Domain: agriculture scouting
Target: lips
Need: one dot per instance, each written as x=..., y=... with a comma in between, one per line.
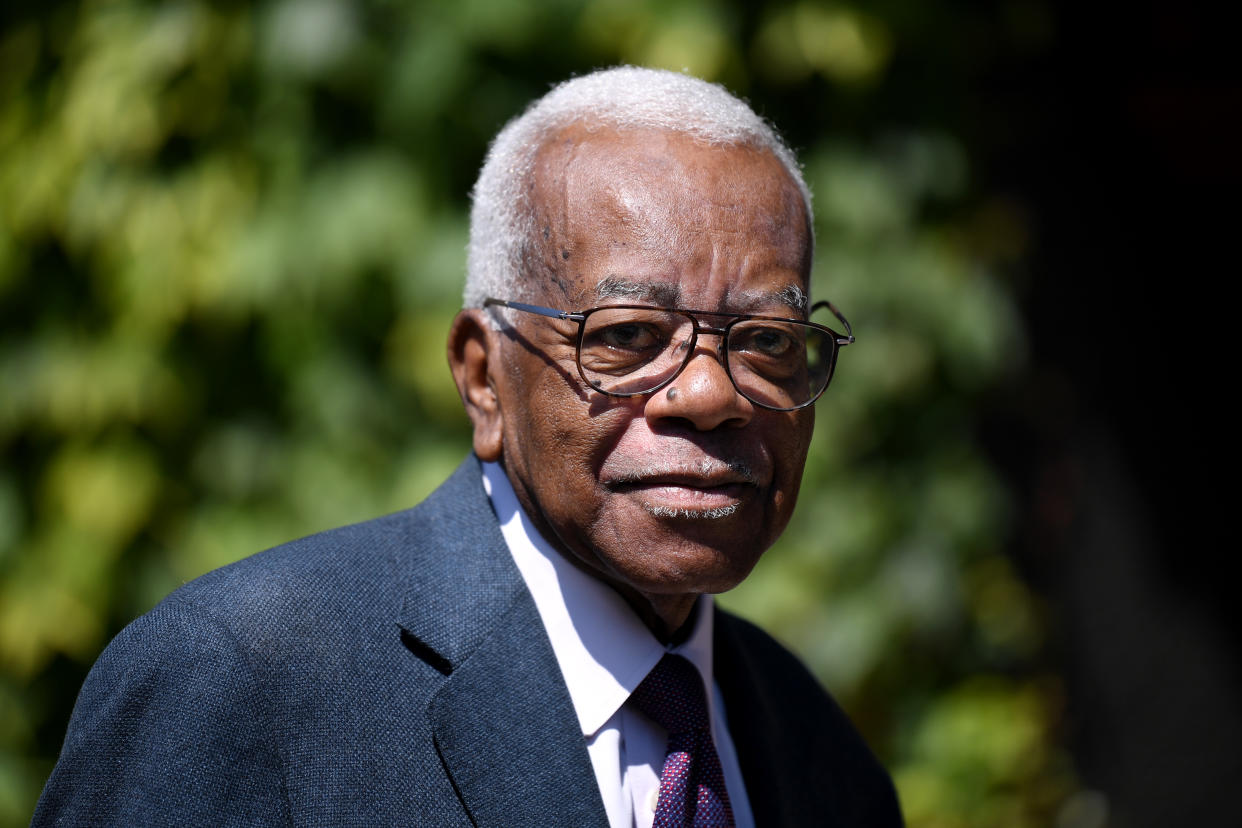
x=681, y=488
x=680, y=479
x=707, y=473
x=712, y=485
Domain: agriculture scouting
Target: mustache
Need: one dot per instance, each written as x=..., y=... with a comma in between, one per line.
x=736, y=470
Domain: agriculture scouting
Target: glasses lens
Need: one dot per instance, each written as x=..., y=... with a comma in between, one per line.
x=633, y=350
x=780, y=364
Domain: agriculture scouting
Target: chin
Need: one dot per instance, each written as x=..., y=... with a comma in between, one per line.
x=664, y=548
x=689, y=563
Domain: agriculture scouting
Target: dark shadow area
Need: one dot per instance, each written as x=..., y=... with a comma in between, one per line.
x=1127, y=152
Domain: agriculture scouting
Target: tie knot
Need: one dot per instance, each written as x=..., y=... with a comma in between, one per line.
x=672, y=696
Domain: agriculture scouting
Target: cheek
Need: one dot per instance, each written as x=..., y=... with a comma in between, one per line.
x=558, y=442
x=561, y=431
x=800, y=426
x=790, y=448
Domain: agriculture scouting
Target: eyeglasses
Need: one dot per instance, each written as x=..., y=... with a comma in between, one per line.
x=630, y=350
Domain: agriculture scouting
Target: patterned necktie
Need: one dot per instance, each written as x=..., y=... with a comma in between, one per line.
x=692, y=788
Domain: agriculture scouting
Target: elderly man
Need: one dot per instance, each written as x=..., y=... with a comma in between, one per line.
x=536, y=643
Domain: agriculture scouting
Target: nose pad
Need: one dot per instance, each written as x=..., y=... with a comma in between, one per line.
x=698, y=344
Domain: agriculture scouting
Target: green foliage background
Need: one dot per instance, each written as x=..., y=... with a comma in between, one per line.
x=231, y=242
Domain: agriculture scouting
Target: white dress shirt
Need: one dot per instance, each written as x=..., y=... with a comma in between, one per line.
x=604, y=651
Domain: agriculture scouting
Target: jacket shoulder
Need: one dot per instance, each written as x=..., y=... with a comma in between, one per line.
x=227, y=702
x=170, y=721
x=351, y=572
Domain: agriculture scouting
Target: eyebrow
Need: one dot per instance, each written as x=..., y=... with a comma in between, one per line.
x=669, y=295
x=793, y=296
x=614, y=287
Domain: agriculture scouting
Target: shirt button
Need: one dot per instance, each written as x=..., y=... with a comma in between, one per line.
x=653, y=799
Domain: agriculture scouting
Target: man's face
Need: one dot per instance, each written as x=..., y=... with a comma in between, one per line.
x=678, y=492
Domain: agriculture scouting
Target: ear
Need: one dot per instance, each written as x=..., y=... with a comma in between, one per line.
x=473, y=353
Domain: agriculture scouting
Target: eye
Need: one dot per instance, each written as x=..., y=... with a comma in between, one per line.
x=627, y=336
x=767, y=341
x=618, y=341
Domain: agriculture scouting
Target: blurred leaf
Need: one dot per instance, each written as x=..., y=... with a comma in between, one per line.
x=231, y=246
x=840, y=42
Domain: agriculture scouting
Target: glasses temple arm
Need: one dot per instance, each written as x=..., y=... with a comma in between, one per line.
x=539, y=309
x=848, y=339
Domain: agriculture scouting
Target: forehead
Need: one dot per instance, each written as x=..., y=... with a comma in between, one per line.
x=651, y=212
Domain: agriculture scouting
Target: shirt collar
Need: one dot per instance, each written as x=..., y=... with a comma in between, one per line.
x=603, y=649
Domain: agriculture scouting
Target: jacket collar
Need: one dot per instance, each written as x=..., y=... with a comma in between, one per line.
x=457, y=577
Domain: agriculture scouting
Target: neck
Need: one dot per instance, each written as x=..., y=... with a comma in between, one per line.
x=669, y=617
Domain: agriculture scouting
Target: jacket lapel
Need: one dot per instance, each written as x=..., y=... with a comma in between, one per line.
x=802, y=759
x=800, y=769
x=503, y=721
x=755, y=727
x=506, y=730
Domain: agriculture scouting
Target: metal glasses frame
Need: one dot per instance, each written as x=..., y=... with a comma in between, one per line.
x=838, y=340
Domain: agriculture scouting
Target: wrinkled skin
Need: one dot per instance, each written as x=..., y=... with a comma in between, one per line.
x=664, y=496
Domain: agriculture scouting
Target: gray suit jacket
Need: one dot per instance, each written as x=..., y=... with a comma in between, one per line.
x=396, y=672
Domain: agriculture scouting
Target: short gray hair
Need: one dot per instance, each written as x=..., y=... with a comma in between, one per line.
x=502, y=218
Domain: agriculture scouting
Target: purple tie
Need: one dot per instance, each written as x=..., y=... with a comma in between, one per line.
x=692, y=788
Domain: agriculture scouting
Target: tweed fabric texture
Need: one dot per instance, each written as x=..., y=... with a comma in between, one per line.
x=692, y=786
x=396, y=672
x=390, y=673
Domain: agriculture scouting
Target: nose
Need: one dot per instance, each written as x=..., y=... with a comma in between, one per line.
x=702, y=395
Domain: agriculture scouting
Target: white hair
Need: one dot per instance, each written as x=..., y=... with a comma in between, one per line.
x=502, y=219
